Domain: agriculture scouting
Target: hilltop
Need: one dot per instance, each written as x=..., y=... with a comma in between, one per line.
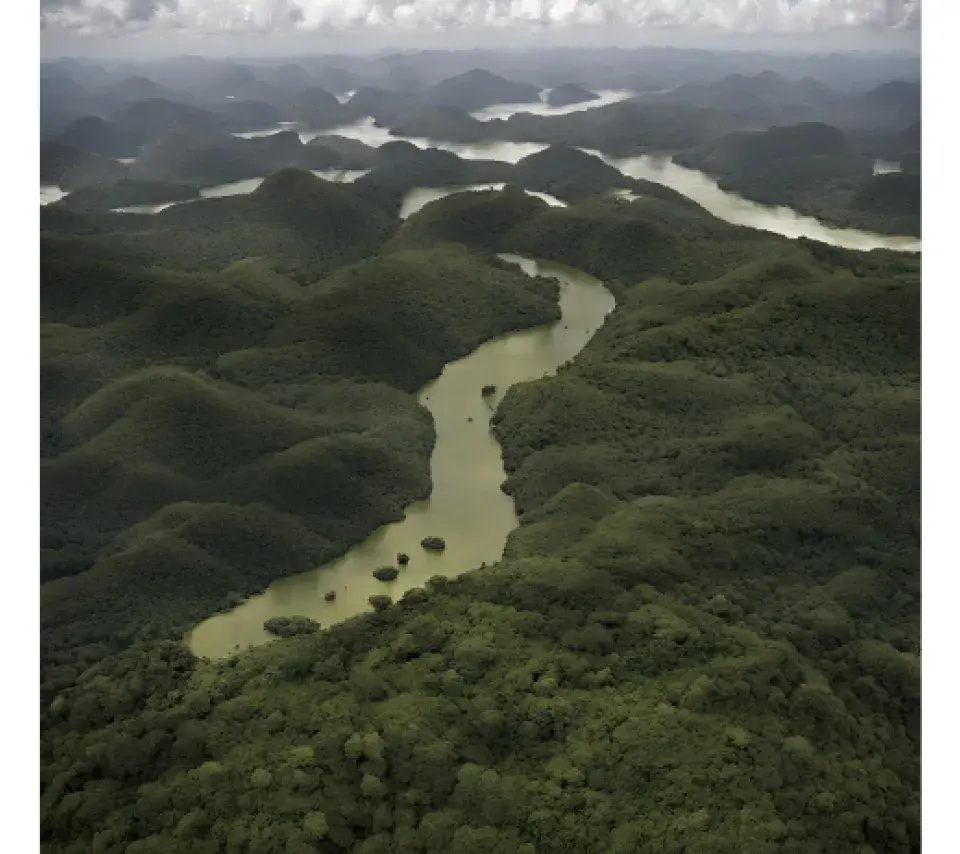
x=716, y=574
x=624, y=128
x=216, y=390
x=811, y=167
x=477, y=88
x=70, y=167
x=659, y=234
x=99, y=136
x=104, y=197
x=297, y=220
x=569, y=93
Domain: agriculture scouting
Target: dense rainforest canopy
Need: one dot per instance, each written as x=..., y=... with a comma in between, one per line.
x=704, y=636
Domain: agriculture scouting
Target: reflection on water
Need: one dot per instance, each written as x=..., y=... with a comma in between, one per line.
x=542, y=108
x=367, y=132
x=735, y=209
x=148, y=209
x=466, y=506
x=50, y=193
x=885, y=167
x=240, y=188
x=691, y=183
x=421, y=196
x=270, y=131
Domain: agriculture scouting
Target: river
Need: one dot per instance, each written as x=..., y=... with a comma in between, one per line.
x=693, y=184
x=504, y=111
x=466, y=469
x=239, y=188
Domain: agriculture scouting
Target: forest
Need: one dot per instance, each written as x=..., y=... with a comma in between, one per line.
x=703, y=637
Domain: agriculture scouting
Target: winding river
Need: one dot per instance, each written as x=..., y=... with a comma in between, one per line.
x=466, y=464
x=466, y=506
x=695, y=185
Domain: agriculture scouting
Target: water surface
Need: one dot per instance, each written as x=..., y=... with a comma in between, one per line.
x=885, y=167
x=735, y=209
x=421, y=196
x=50, y=193
x=240, y=188
x=367, y=132
x=466, y=506
x=691, y=183
x=542, y=108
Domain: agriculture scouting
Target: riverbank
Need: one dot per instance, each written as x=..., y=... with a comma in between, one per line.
x=466, y=505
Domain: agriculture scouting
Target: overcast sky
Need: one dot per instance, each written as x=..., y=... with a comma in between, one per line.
x=224, y=27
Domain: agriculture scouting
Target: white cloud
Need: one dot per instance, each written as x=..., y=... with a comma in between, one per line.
x=201, y=16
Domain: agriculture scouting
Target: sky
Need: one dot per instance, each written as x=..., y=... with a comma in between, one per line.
x=134, y=27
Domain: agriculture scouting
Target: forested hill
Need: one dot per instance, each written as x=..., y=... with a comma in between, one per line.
x=703, y=637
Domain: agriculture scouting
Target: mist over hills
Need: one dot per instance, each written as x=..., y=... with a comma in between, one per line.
x=710, y=124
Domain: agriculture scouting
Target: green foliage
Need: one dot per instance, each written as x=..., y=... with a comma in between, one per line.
x=660, y=234
x=704, y=636
x=104, y=197
x=812, y=168
x=205, y=433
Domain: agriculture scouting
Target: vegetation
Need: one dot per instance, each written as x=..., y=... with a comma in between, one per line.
x=703, y=637
x=305, y=225
x=622, y=129
x=69, y=167
x=288, y=627
x=205, y=433
x=386, y=573
x=660, y=233
x=569, y=93
x=105, y=197
x=478, y=88
x=812, y=168
x=99, y=136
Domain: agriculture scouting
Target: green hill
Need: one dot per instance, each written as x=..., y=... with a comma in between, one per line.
x=294, y=218
x=238, y=387
x=99, y=136
x=891, y=193
x=561, y=171
x=814, y=169
x=69, y=167
x=784, y=165
x=150, y=119
x=451, y=302
x=658, y=234
x=622, y=129
x=717, y=577
x=477, y=88
x=703, y=636
x=570, y=93
x=105, y=197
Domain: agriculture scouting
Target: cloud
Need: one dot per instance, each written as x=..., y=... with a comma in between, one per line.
x=263, y=16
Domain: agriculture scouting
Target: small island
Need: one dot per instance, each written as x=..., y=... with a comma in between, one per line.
x=330, y=596
x=433, y=544
x=286, y=627
x=487, y=390
x=403, y=559
x=386, y=573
